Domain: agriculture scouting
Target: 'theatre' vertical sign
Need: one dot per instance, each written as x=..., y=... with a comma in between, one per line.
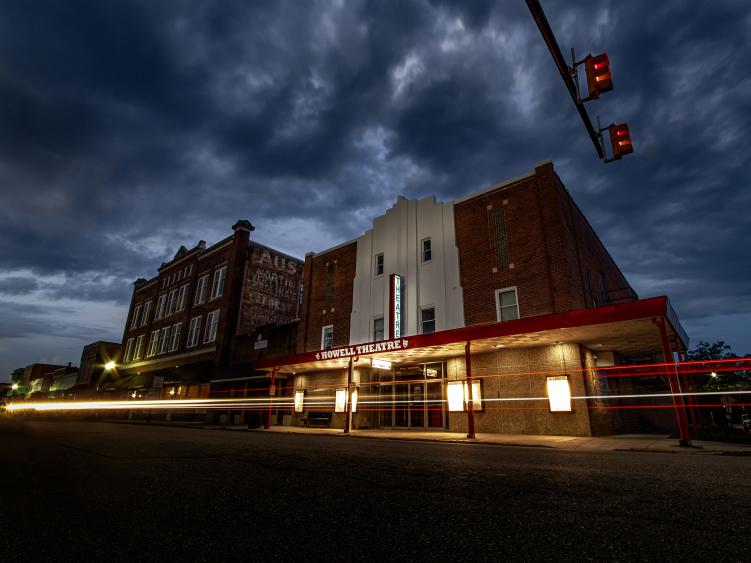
x=395, y=299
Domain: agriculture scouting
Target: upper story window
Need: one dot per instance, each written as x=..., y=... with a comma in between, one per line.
x=217, y=287
x=427, y=250
x=136, y=317
x=327, y=337
x=604, y=288
x=146, y=312
x=160, y=306
x=378, y=329
x=164, y=339
x=379, y=264
x=138, y=352
x=194, y=332
x=499, y=235
x=175, y=338
x=153, y=343
x=128, y=350
x=427, y=319
x=172, y=302
x=212, y=322
x=182, y=297
x=203, y=281
x=507, y=306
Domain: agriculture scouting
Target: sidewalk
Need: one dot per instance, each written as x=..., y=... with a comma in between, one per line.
x=624, y=442
x=631, y=442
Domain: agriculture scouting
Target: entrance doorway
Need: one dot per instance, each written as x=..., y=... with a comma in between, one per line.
x=412, y=397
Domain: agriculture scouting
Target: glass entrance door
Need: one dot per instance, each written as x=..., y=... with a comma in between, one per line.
x=417, y=401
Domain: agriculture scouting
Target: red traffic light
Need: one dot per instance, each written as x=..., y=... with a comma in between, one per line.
x=599, y=79
x=620, y=139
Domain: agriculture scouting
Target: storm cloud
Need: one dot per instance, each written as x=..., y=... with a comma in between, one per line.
x=128, y=129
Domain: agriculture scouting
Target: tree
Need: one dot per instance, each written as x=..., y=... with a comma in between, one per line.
x=728, y=376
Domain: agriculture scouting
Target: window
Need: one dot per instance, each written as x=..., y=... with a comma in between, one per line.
x=604, y=289
x=507, y=307
x=136, y=317
x=212, y=321
x=182, y=297
x=428, y=320
x=189, y=270
x=193, y=332
x=175, y=340
x=153, y=343
x=427, y=254
x=201, y=290
x=378, y=328
x=458, y=396
x=379, y=264
x=146, y=311
x=128, y=351
x=160, y=306
x=164, y=339
x=217, y=287
x=498, y=235
x=138, y=353
x=172, y=302
x=327, y=337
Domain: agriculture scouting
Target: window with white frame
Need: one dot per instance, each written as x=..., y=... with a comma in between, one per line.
x=427, y=320
x=153, y=344
x=201, y=290
x=175, y=339
x=378, y=329
x=160, y=306
x=427, y=250
x=212, y=322
x=182, y=297
x=217, y=286
x=507, y=306
x=327, y=337
x=172, y=302
x=194, y=331
x=136, y=316
x=138, y=352
x=164, y=340
x=128, y=350
x=379, y=264
x=146, y=312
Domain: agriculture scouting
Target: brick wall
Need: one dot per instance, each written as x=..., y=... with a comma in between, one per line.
x=549, y=243
x=317, y=310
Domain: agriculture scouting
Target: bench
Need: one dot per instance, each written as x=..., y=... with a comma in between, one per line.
x=315, y=419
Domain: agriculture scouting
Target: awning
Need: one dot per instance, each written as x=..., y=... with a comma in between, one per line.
x=626, y=328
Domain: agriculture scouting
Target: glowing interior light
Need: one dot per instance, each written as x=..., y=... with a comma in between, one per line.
x=340, y=404
x=299, y=400
x=455, y=392
x=380, y=364
x=559, y=393
x=354, y=400
x=110, y=365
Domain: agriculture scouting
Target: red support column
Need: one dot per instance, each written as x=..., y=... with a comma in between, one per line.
x=675, y=384
x=272, y=391
x=689, y=383
x=348, y=421
x=470, y=401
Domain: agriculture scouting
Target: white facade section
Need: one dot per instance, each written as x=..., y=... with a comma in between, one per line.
x=399, y=236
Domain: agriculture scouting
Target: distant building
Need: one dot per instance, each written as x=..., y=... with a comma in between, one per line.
x=45, y=385
x=184, y=325
x=93, y=367
x=512, y=277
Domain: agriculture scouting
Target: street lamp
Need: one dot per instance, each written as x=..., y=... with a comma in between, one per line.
x=14, y=387
x=109, y=366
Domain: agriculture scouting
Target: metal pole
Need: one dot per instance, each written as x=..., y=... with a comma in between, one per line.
x=675, y=384
x=272, y=390
x=547, y=34
x=348, y=420
x=470, y=401
x=690, y=386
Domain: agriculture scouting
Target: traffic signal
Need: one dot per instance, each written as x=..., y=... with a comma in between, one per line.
x=599, y=79
x=620, y=139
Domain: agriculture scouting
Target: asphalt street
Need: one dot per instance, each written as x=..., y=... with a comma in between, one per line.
x=103, y=491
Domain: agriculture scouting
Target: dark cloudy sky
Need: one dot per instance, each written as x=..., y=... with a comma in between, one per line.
x=130, y=128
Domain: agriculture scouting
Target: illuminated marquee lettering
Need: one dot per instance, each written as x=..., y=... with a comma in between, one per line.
x=362, y=349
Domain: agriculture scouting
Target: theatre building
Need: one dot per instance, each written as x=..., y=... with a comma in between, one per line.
x=509, y=289
x=184, y=324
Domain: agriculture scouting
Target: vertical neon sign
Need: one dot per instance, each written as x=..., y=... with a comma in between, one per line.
x=395, y=326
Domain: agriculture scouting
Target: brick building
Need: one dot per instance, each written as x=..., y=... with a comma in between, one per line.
x=184, y=324
x=505, y=285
